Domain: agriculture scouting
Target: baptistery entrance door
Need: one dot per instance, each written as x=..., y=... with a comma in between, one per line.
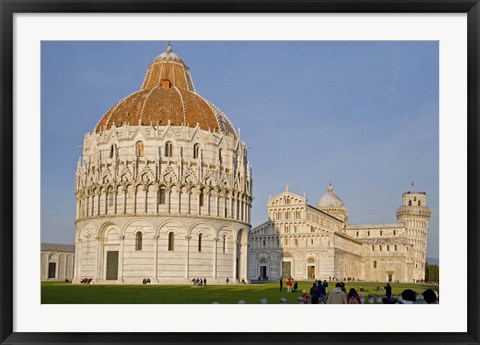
x=112, y=265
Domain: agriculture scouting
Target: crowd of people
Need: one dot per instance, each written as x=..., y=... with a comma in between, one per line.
x=200, y=281
x=318, y=294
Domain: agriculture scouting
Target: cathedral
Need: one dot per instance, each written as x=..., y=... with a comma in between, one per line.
x=308, y=242
x=163, y=187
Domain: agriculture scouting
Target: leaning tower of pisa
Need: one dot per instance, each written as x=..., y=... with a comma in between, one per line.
x=414, y=214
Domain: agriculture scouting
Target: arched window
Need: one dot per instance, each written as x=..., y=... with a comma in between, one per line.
x=410, y=203
x=168, y=149
x=357, y=233
x=200, y=198
x=138, y=241
x=381, y=232
x=224, y=244
x=110, y=196
x=388, y=248
x=419, y=203
x=196, y=151
x=296, y=242
x=394, y=232
x=113, y=148
x=200, y=242
x=373, y=248
x=380, y=247
x=171, y=242
x=161, y=196
x=374, y=264
x=220, y=156
x=140, y=149
x=368, y=233
x=395, y=247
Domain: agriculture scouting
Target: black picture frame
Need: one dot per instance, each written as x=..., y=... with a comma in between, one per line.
x=10, y=7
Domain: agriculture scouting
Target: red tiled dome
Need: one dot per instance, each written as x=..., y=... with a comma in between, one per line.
x=167, y=97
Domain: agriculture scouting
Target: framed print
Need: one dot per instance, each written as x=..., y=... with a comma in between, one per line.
x=120, y=137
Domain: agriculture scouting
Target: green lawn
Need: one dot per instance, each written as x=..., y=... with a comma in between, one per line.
x=66, y=293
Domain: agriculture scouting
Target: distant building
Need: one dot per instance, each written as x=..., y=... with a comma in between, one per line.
x=57, y=261
x=307, y=242
x=163, y=187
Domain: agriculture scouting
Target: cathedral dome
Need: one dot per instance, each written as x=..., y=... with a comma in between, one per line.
x=330, y=199
x=167, y=97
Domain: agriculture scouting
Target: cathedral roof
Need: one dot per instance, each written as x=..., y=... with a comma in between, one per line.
x=330, y=199
x=167, y=96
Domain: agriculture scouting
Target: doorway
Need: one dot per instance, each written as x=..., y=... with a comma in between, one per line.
x=52, y=268
x=263, y=272
x=390, y=277
x=112, y=265
x=286, y=269
x=311, y=272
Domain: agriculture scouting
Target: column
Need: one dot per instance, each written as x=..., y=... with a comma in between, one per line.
x=234, y=261
x=78, y=255
x=120, y=259
x=244, y=274
x=155, y=259
x=168, y=196
x=215, y=249
x=98, y=272
x=208, y=202
x=179, y=205
x=187, y=257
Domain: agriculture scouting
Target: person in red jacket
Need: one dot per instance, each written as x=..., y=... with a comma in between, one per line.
x=353, y=297
x=289, y=285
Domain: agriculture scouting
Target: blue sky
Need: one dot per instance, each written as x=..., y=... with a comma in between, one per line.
x=363, y=115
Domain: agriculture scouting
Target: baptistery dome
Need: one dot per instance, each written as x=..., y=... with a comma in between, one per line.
x=167, y=96
x=163, y=187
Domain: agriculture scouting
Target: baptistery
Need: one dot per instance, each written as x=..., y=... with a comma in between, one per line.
x=163, y=187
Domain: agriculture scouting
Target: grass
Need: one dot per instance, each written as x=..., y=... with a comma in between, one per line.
x=66, y=293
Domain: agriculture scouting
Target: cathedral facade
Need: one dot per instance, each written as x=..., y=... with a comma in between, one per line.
x=308, y=242
x=163, y=187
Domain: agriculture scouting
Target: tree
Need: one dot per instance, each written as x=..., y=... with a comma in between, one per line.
x=432, y=272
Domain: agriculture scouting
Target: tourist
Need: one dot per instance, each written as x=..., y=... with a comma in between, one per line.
x=289, y=285
x=314, y=294
x=408, y=297
x=337, y=296
x=227, y=280
x=388, y=290
x=430, y=296
x=322, y=293
x=300, y=300
x=281, y=284
x=325, y=284
x=353, y=297
x=342, y=286
x=295, y=287
x=305, y=296
x=283, y=300
x=204, y=281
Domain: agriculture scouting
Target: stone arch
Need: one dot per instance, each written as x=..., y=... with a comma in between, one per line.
x=151, y=198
